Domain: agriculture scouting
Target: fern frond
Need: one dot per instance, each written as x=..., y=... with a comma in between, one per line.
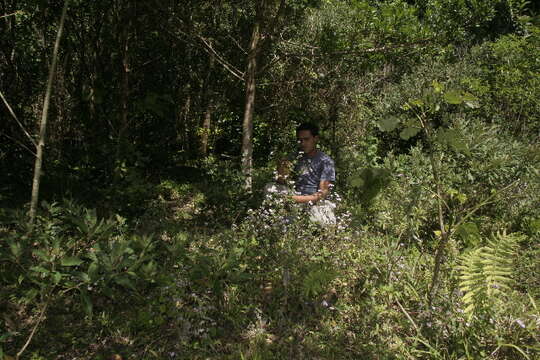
x=486, y=273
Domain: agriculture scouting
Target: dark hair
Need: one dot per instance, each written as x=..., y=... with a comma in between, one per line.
x=314, y=129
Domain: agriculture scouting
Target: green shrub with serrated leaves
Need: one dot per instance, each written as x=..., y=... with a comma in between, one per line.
x=70, y=253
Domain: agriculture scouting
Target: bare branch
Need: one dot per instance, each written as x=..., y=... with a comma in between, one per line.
x=33, y=332
x=233, y=70
x=357, y=51
x=20, y=144
x=12, y=14
x=16, y=119
x=238, y=44
x=206, y=46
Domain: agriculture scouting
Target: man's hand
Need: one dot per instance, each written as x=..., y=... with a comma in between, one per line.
x=324, y=189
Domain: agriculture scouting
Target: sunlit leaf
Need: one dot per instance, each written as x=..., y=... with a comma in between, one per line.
x=437, y=87
x=453, y=97
x=466, y=96
x=57, y=277
x=408, y=132
x=71, y=261
x=416, y=102
x=356, y=181
x=39, y=269
x=388, y=124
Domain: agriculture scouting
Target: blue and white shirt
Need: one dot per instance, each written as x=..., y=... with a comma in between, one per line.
x=310, y=171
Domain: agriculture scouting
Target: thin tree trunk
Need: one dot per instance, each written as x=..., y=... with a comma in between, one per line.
x=209, y=98
x=43, y=124
x=247, y=124
x=124, y=93
x=206, y=127
x=186, y=109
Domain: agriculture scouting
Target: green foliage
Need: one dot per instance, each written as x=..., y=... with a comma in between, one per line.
x=417, y=118
x=317, y=280
x=471, y=21
x=72, y=254
x=508, y=83
x=486, y=274
x=368, y=183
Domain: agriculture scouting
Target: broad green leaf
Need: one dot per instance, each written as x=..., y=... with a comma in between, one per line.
x=356, y=181
x=93, y=271
x=416, y=102
x=466, y=96
x=388, y=124
x=71, y=261
x=462, y=198
x=16, y=249
x=437, y=87
x=408, y=132
x=453, y=97
x=39, y=269
x=125, y=282
x=534, y=225
x=454, y=139
x=84, y=277
x=87, y=303
x=57, y=277
x=42, y=255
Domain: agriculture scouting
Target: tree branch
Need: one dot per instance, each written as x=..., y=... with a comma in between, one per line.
x=312, y=49
x=16, y=119
x=206, y=46
x=12, y=14
x=233, y=70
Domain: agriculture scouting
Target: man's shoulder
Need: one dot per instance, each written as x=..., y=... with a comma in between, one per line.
x=324, y=157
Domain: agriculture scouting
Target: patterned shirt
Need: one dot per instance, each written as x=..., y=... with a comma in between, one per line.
x=310, y=171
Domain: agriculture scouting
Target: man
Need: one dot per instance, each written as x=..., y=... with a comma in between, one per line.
x=314, y=175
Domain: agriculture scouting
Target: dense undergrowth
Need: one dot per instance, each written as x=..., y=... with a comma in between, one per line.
x=194, y=268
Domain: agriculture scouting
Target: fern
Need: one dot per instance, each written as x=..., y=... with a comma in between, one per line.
x=486, y=273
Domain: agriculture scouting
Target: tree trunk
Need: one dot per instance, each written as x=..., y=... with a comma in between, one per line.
x=209, y=98
x=124, y=92
x=205, y=135
x=43, y=125
x=247, y=124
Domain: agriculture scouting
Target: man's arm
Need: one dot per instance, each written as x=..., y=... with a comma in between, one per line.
x=324, y=189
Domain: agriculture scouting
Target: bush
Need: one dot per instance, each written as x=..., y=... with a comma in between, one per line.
x=73, y=257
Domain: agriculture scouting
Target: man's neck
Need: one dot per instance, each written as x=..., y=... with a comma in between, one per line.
x=312, y=153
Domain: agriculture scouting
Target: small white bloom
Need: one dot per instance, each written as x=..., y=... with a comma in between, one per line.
x=520, y=323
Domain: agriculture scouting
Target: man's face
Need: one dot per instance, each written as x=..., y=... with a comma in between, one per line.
x=307, y=141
